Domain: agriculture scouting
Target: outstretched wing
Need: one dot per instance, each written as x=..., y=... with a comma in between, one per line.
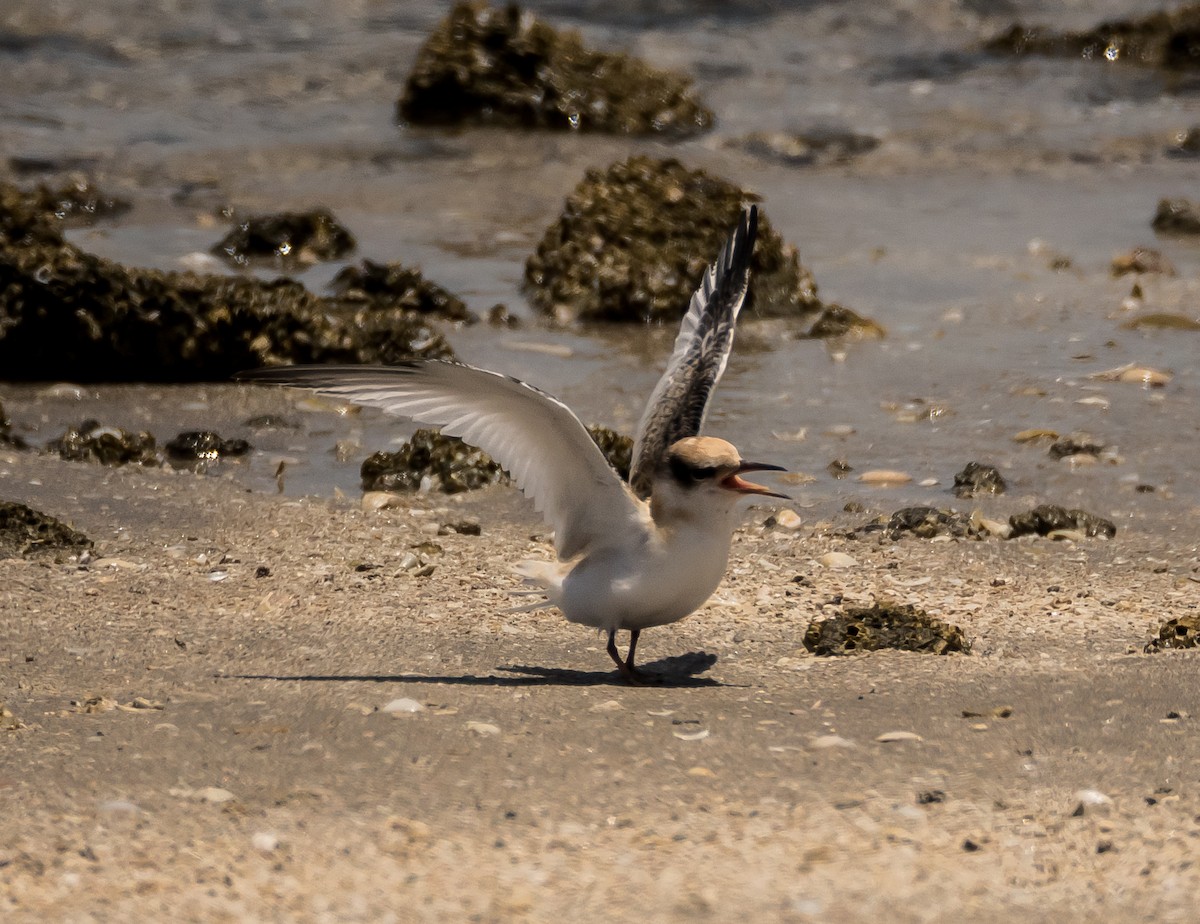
x=679, y=402
x=535, y=437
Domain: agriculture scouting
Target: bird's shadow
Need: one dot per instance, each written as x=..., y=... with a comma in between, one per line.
x=675, y=672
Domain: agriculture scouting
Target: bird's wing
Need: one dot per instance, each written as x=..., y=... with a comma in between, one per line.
x=679, y=402
x=535, y=437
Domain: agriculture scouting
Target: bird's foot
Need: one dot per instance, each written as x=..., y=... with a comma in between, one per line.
x=636, y=678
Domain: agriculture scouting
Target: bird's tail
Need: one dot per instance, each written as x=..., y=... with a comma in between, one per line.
x=547, y=575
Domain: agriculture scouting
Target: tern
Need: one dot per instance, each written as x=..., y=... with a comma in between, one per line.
x=630, y=556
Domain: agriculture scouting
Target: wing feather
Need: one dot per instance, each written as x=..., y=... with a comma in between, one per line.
x=680, y=400
x=534, y=436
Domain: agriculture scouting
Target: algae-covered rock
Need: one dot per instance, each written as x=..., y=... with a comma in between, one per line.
x=818, y=147
x=1179, y=632
x=634, y=240
x=502, y=66
x=1169, y=40
x=1177, y=216
x=617, y=448
x=288, y=239
x=1141, y=260
x=112, y=446
x=67, y=314
x=1049, y=519
x=836, y=320
x=395, y=286
x=927, y=522
x=884, y=625
x=76, y=202
x=204, y=446
x=978, y=478
x=25, y=532
x=431, y=461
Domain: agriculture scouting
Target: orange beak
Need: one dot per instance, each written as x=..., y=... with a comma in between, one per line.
x=734, y=483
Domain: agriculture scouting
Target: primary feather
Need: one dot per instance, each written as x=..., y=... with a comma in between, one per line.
x=534, y=436
x=678, y=405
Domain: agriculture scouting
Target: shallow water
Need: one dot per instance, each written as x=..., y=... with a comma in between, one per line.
x=182, y=107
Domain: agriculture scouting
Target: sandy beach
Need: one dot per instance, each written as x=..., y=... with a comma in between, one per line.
x=199, y=725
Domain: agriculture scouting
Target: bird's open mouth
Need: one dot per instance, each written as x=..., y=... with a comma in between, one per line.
x=734, y=482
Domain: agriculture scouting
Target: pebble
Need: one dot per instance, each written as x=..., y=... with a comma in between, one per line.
x=118, y=807
x=892, y=736
x=701, y=772
x=403, y=706
x=265, y=841
x=691, y=736
x=788, y=519
x=381, y=500
x=483, y=729
x=825, y=742
x=838, y=560
x=884, y=476
x=213, y=794
x=610, y=705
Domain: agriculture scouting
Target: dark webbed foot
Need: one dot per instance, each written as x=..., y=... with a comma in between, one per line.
x=629, y=673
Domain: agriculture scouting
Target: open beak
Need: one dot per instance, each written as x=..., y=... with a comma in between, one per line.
x=735, y=483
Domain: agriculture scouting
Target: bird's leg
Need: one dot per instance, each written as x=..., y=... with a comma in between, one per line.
x=626, y=668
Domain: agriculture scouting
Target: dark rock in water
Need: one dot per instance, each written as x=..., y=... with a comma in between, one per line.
x=25, y=532
x=112, y=446
x=1048, y=518
x=927, y=522
x=66, y=314
x=1074, y=445
x=7, y=437
x=204, y=446
x=286, y=239
x=1177, y=216
x=1168, y=40
x=449, y=463
x=884, y=625
x=76, y=202
x=1180, y=632
x=634, y=240
x=617, y=448
x=977, y=478
x=394, y=286
x=452, y=465
x=838, y=321
x=1141, y=260
x=819, y=147
x=484, y=65
x=1187, y=145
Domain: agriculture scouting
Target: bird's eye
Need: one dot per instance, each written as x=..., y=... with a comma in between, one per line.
x=708, y=471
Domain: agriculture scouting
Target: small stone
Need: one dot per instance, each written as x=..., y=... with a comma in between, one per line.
x=884, y=477
x=836, y=561
x=691, y=736
x=610, y=705
x=785, y=519
x=403, y=706
x=702, y=772
x=214, y=795
x=483, y=729
x=826, y=742
x=264, y=841
x=893, y=736
x=381, y=500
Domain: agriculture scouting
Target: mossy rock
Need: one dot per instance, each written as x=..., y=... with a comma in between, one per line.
x=928, y=522
x=398, y=287
x=1168, y=40
x=1180, y=632
x=1177, y=216
x=287, y=239
x=979, y=478
x=447, y=464
x=67, y=314
x=633, y=242
x=484, y=65
x=884, y=625
x=111, y=446
x=1048, y=519
x=202, y=446
x=25, y=532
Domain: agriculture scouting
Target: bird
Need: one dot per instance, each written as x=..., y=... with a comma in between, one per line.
x=629, y=556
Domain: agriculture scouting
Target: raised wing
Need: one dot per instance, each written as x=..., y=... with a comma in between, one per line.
x=536, y=437
x=679, y=402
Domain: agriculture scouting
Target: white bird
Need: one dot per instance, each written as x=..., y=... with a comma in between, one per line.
x=630, y=556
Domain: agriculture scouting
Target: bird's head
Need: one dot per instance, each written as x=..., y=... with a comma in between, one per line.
x=704, y=470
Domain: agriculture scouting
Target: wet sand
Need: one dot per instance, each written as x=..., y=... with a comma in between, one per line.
x=260, y=779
